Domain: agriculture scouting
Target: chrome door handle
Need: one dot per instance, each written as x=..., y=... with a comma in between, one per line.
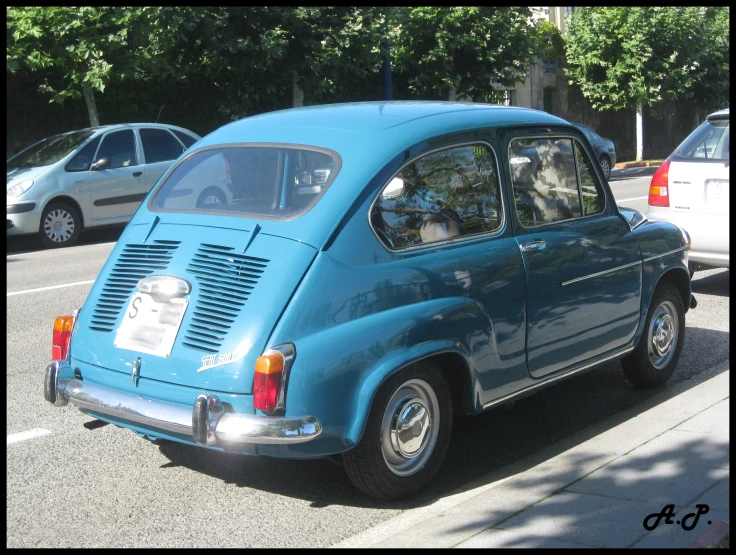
x=532, y=246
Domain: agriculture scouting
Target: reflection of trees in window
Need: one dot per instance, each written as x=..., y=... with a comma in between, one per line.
x=593, y=199
x=544, y=180
x=454, y=191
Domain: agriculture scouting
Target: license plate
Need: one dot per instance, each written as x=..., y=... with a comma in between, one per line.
x=716, y=192
x=149, y=326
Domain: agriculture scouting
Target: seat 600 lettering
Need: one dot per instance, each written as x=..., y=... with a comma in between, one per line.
x=375, y=269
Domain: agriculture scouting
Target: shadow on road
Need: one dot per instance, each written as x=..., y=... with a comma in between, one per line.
x=480, y=444
x=714, y=284
x=31, y=243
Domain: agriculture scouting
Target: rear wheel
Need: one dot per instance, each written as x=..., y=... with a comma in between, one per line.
x=211, y=196
x=606, y=165
x=406, y=435
x=60, y=225
x=655, y=357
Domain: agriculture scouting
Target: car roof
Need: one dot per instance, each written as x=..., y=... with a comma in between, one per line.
x=405, y=122
x=720, y=114
x=104, y=128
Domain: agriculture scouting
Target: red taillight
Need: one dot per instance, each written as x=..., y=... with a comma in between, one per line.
x=62, y=334
x=659, y=187
x=267, y=381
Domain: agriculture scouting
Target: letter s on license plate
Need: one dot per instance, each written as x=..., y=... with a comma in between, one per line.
x=149, y=326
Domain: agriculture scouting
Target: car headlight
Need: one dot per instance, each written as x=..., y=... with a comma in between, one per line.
x=19, y=188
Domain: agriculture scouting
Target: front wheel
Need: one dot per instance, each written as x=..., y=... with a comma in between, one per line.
x=655, y=357
x=60, y=225
x=406, y=435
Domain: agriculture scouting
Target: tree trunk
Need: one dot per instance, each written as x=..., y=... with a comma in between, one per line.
x=451, y=93
x=639, y=132
x=89, y=98
x=297, y=94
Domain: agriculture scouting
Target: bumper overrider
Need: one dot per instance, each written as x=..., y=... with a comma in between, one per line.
x=206, y=422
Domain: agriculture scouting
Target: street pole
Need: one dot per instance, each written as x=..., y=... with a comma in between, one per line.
x=387, y=86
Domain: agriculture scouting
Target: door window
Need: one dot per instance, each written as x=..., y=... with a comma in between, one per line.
x=119, y=147
x=451, y=193
x=82, y=161
x=159, y=146
x=544, y=177
x=188, y=140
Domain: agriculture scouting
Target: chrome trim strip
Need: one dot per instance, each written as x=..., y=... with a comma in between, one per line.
x=663, y=254
x=601, y=273
x=230, y=428
x=560, y=376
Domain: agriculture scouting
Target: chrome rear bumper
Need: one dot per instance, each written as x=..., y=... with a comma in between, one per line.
x=206, y=422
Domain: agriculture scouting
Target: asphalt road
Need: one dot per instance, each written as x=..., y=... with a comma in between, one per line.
x=69, y=486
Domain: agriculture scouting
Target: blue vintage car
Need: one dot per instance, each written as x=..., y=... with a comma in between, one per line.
x=378, y=267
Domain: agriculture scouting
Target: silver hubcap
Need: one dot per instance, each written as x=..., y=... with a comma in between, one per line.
x=663, y=335
x=212, y=199
x=605, y=166
x=59, y=225
x=409, y=427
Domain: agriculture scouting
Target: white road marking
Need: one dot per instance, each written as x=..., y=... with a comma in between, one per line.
x=630, y=199
x=30, y=434
x=51, y=287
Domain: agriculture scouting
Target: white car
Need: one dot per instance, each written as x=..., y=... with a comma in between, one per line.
x=88, y=178
x=690, y=189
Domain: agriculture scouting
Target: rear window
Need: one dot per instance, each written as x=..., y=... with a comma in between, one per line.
x=709, y=142
x=271, y=182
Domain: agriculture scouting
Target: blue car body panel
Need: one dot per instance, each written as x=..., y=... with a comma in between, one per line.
x=503, y=321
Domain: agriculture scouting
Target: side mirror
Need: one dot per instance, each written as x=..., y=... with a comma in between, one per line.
x=101, y=164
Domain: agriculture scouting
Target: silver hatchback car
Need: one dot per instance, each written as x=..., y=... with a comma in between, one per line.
x=91, y=177
x=691, y=189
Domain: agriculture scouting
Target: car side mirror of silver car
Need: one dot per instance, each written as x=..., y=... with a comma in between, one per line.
x=100, y=164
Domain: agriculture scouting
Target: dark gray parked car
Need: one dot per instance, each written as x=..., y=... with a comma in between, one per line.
x=604, y=148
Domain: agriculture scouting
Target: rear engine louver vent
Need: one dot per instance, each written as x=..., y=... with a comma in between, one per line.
x=225, y=281
x=133, y=264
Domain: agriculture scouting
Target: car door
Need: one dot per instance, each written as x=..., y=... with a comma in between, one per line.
x=160, y=149
x=582, y=263
x=116, y=190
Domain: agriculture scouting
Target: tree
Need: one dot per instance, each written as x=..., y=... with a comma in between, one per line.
x=627, y=57
x=450, y=52
x=77, y=47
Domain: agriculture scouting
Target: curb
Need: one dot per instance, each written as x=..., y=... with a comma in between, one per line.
x=626, y=165
x=714, y=534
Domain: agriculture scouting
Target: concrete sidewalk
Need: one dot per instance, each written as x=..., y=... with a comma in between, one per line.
x=597, y=493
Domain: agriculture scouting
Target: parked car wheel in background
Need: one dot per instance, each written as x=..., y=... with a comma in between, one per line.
x=605, y=150
x=690, y=189
x=88, y=178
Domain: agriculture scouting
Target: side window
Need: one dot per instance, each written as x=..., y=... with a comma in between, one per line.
x=544, y=180
x=159, y=146
x=82, y=161
x=188, y=140
x=594, y=199
x=119, y=147
x=450, y=193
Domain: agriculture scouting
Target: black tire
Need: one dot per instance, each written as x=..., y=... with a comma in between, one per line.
x=606, y=166
x=366, y=464
x=645, y=366
x=210, y=193
x=691, y=269
x=60, y=225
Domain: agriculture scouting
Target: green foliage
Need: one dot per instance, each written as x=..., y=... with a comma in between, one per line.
x=622, y=56
x=470, y=49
